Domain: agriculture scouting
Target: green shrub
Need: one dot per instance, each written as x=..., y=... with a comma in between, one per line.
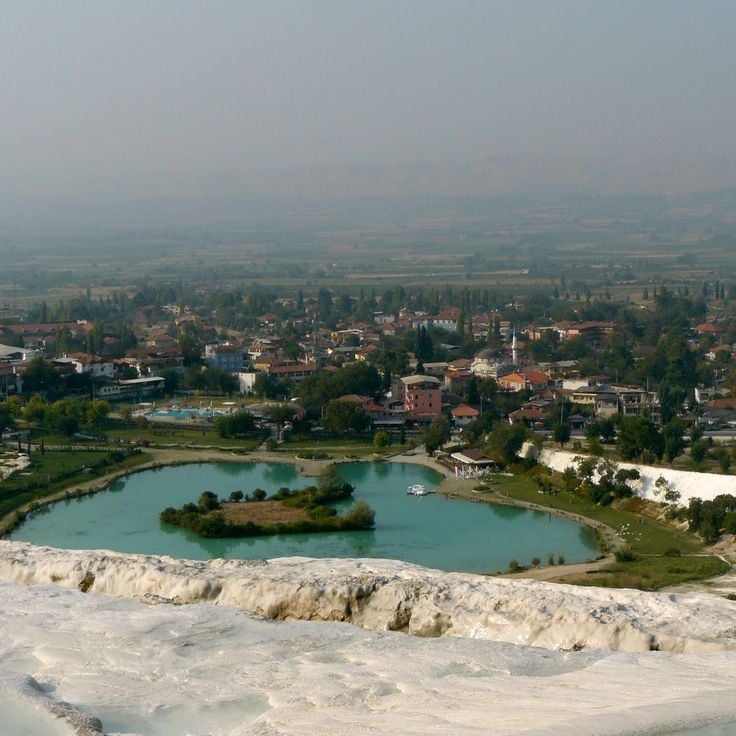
x=360, y=516
x=624, y=555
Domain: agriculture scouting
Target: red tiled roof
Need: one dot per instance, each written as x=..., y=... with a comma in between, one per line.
x=710, y=328
x=285, y=370
x=536, y=377
x=460, y=364
x=529, y=412
x=465, y=411
x=355, y=398
x=47, y=328
x=513, y=378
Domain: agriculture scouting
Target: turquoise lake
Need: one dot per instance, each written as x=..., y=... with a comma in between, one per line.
x=432, y=531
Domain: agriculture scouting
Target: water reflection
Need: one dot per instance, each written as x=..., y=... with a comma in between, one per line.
x=361, y=542
x=508, y=512
x=587, y=536
x=281, y=474
x=381, y=469
x=235, y=468
x=358, y=471
x=212, y=548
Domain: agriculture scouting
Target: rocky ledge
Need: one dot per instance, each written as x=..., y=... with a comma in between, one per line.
x=395, y=596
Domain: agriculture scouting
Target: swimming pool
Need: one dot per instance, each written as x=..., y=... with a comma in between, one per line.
x=185, y=413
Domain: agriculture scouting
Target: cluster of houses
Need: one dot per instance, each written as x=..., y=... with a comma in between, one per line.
x=133, y=376
x=418, y=398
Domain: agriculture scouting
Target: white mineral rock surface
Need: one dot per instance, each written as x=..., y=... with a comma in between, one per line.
x=689, y=484
x=514, y=657
x=505, y=657
x=11, y=463
x=394, y=596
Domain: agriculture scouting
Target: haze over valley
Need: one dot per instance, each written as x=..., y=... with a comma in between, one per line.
x=433, y=302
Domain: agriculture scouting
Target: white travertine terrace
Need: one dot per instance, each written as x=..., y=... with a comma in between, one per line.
x=266, y=649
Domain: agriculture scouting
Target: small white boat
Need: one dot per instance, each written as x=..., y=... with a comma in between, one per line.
x=417, y=490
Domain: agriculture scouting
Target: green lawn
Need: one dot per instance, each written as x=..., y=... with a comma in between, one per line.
x=172, y=435
x=653, y=573
x=652, y=542
x=338, y=446
x=154, y=433
x=642, y=534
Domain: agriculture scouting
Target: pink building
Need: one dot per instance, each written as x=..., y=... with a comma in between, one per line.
x=422, y=396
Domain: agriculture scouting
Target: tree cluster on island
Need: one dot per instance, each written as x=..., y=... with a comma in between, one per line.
x=311, y=507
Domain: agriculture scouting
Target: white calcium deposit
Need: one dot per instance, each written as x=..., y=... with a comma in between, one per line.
x=385, y=595
x=689, y=484
x=494, y=656
x=11, y=463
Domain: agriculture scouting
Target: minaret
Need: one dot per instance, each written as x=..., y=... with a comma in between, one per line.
x=514, y=349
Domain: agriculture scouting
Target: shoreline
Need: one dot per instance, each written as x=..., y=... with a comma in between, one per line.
x=162, y=458
x=449, y=486
x=462, y=489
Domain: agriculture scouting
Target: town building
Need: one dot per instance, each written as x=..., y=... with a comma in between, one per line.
x=422, y=396
x=134, y=388
x=94, y=365
x=487, y=364
x=226, y=356
x=11, y=380
x=13, y=355
x=463, y=415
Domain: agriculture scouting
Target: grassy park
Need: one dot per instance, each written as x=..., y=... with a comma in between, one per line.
x=160, y=435
x=651, y=554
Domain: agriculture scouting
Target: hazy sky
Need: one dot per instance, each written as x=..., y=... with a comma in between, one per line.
x=105, y=91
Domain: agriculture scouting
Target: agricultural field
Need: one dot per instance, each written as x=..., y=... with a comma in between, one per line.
x=608, y=245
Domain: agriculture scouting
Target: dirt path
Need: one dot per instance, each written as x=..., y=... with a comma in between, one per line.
x=561, y=573
x=174, y=456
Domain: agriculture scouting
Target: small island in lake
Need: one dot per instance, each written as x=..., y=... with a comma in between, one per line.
x=285, y=512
